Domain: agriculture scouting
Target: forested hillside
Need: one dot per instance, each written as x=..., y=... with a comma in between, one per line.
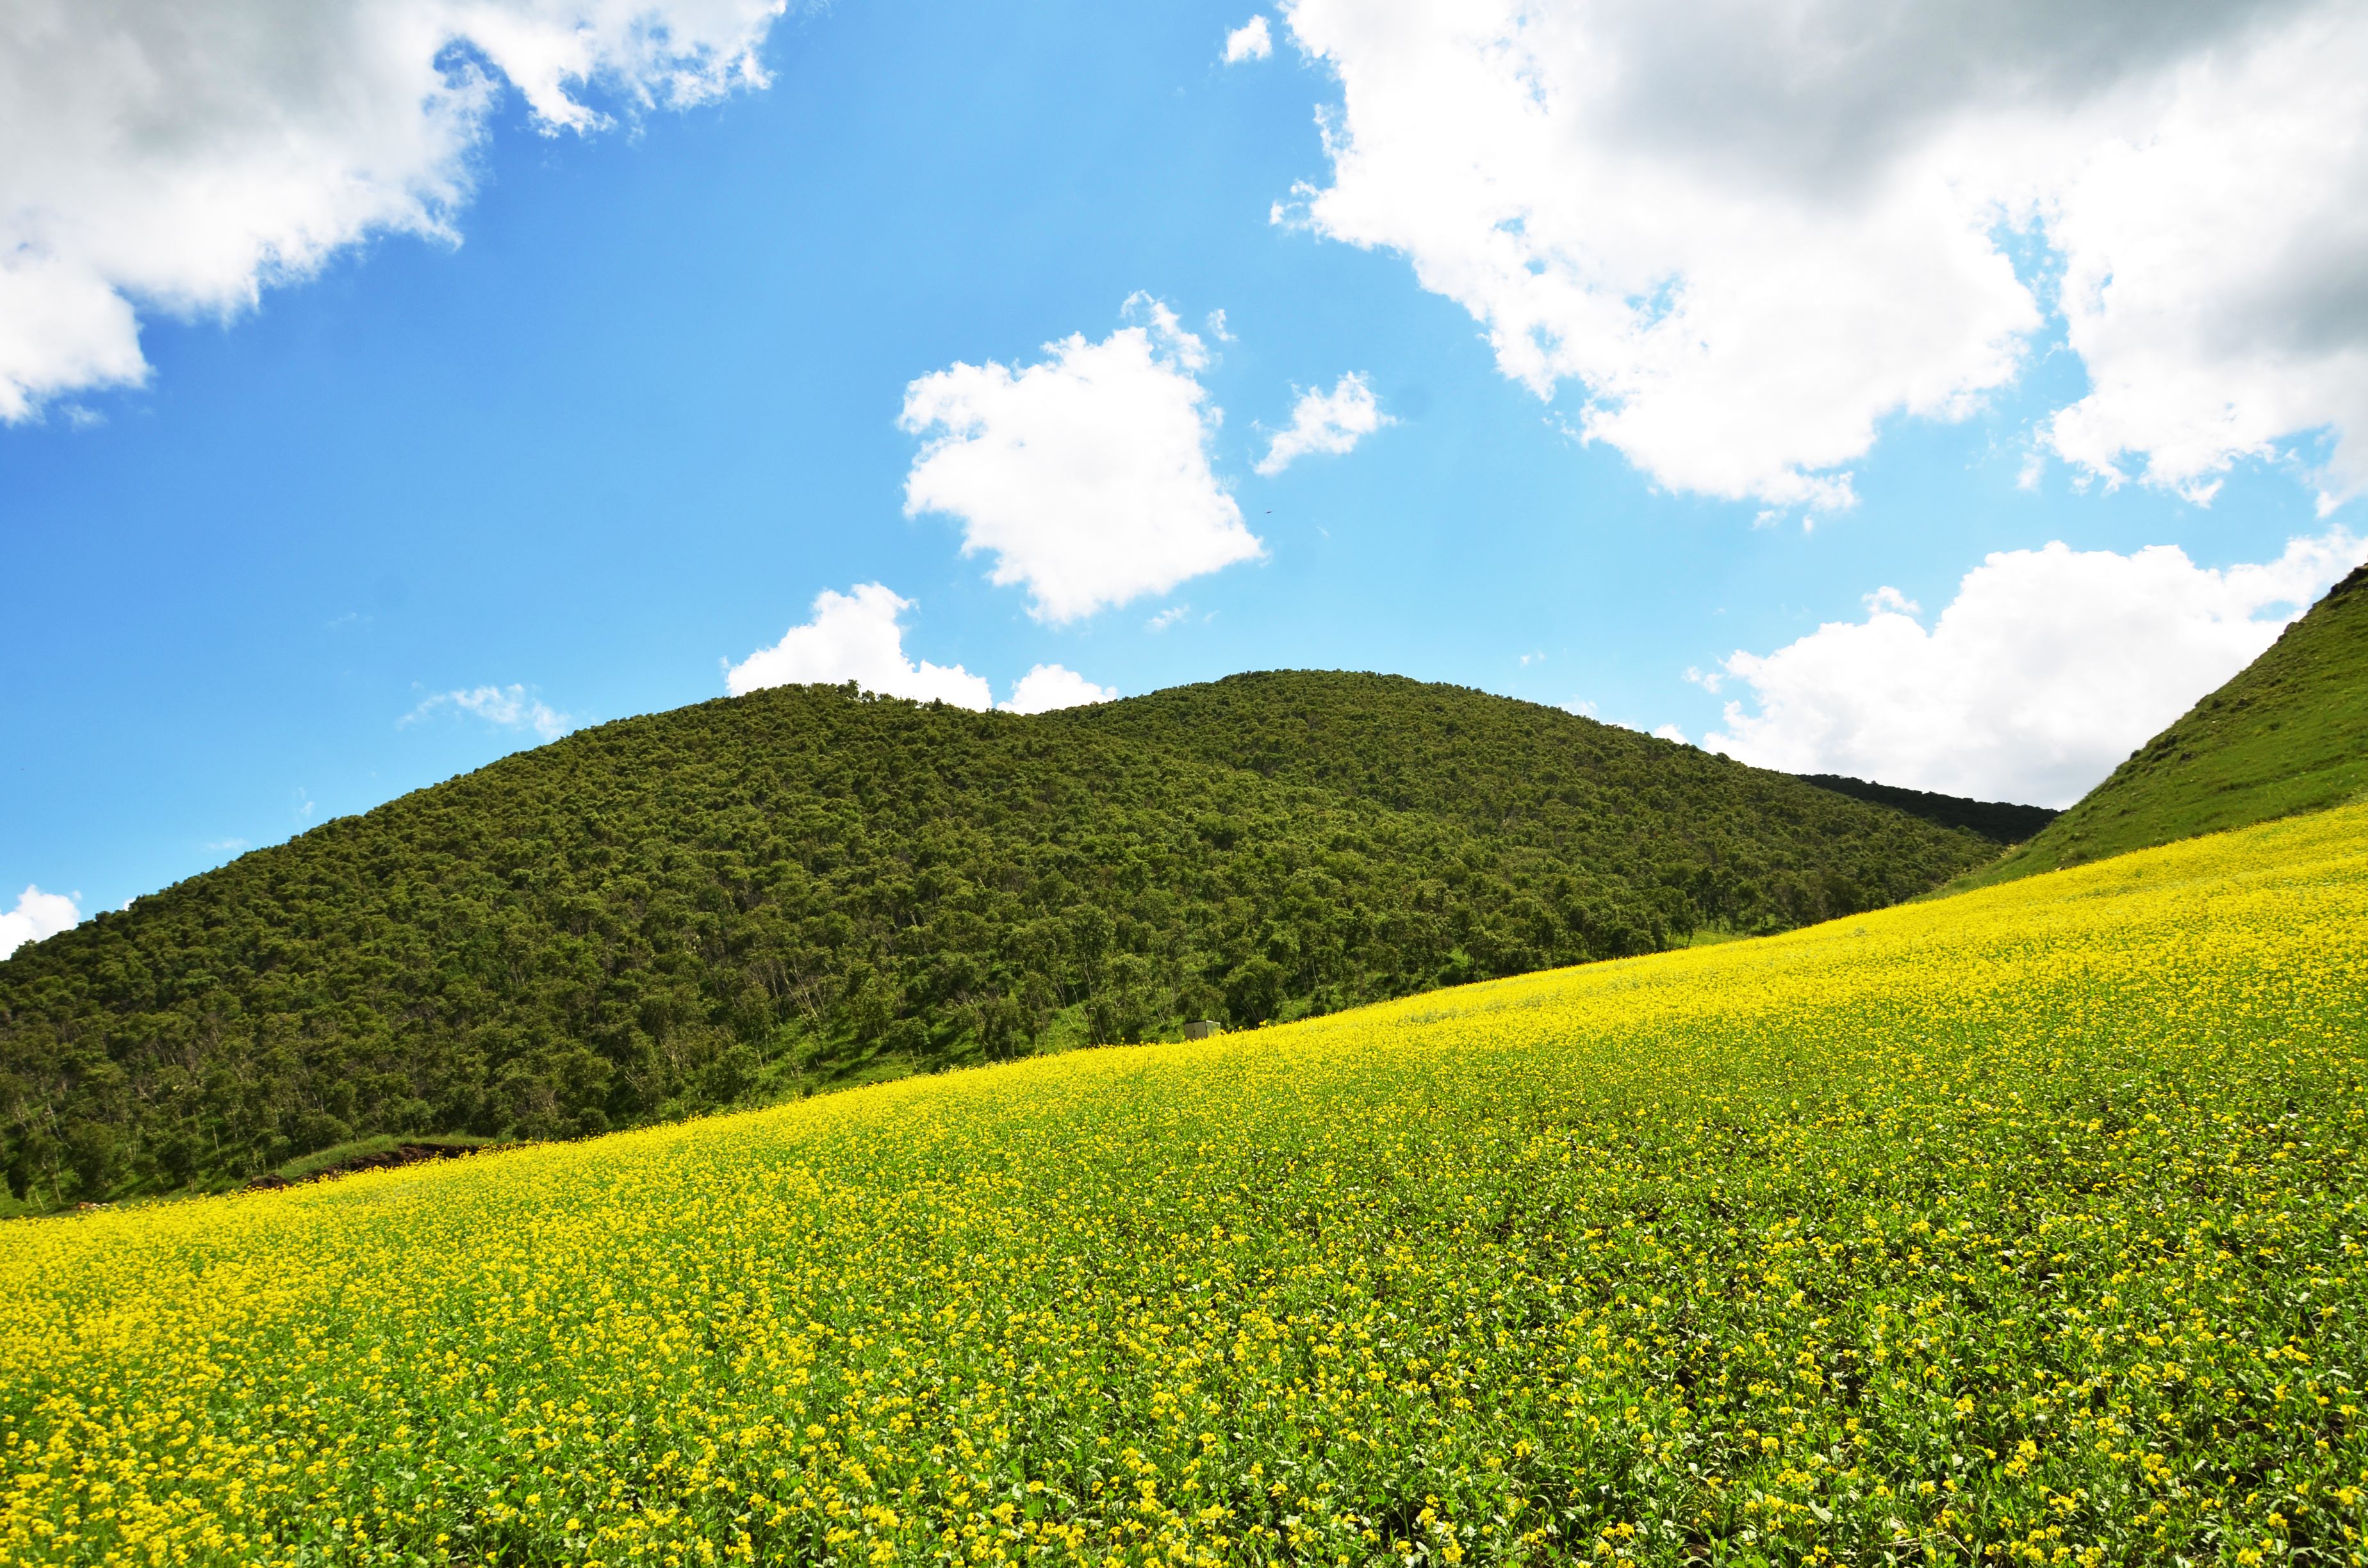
x=806, y=886
x=2288, y=734
x=2001, y=822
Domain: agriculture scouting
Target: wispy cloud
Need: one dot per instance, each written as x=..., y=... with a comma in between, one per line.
x=512, y=707
x=1330, y=423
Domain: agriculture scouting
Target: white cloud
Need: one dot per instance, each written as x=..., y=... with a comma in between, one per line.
x=1748, y=234
x=855, y=636
x=1252, y=40
x=179, y=156
x=505, y=707
x=38, y=915
x=2041, y=674
x=2217, y=266
x=1167, y=618
x=1671, y=733
x=1087, y=475
x=1331, y=423
x=1048, y=686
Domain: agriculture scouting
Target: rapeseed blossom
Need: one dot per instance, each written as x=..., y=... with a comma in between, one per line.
x=2015, y=1228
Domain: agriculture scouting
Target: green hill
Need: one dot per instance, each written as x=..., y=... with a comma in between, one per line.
x=755, y=897
x=2000, y=821
x=2288, y=734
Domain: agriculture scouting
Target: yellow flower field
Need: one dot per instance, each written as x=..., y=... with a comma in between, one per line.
x=2019, y=1227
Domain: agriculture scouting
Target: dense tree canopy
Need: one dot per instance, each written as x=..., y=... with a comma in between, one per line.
x=808, y=886
x=2001, y=822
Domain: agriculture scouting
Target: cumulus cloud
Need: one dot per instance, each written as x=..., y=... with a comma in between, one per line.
x=1252, y=40
x=1331, y=422
x=1747, y=234
x=503, y=707
x=1086, y=475
x=2041, y=674
x=1048, y=686
x=179, y=156
x=856, y=636
x=2216, y=274
x=38, y=915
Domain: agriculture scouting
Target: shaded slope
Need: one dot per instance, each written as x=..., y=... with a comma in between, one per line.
x=2000, y=821
x=2288, y=734
x=754, y=896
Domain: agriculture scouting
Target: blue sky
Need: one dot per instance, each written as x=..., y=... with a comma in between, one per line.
x=626, y=430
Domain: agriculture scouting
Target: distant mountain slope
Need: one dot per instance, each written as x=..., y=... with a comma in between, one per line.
x=1734, y=842
x=2288, y=734
x=737, y=900
x=2000, y=821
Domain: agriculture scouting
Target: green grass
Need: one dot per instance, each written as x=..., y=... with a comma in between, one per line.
x=2289, y=735
x=311, y=1165
x=1712, y=935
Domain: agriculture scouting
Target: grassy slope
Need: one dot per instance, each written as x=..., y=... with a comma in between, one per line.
x=361, y=1149
x=796, y=889
x=2288, y=734
x=2015, y=1227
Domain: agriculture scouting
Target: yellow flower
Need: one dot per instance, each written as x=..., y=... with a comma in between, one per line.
x=2064, y=1171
